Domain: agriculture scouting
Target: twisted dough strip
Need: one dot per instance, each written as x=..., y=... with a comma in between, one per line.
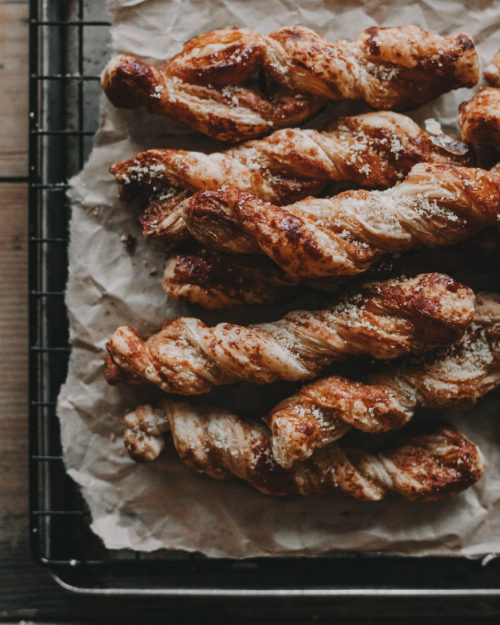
x=348, y=233
x=386, y=67
x=426, y=467
x=479, y=120
x=324, y=410
x=229, y=114
x=218, y=280
x=225, y=280
x=374, y=150
x=385, y=320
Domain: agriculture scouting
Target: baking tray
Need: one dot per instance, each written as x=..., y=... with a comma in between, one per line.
x=69, y=44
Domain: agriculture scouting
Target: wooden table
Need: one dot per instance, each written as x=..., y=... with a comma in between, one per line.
x=27, y=591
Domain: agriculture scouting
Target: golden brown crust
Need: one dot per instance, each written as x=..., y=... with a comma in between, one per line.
x=434, y=464
x=424, y=467
x=219, y=280
x=384, y=319
x=352, y=231
x=224, y=280
x=373, y=150
x=492, y=72
x=324, y=410
x=230, y=114
x=387, y=67
x=479, y=120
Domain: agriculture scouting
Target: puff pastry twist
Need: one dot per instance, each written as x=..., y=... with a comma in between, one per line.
x=218, y=280
x=384, y=319
x=324, y=410
x=373, y=150
x=350, y=232
x=425, y=467
x=227, y=280
x=230, y=114
x=386, y=67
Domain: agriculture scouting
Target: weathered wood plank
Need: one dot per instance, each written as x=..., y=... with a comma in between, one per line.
x=13, y=94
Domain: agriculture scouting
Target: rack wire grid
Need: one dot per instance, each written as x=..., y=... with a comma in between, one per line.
x=69, y=43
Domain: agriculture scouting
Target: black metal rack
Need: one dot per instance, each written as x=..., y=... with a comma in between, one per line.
x=68, y=42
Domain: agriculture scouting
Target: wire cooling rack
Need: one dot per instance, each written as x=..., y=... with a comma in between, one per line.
x=69, y=43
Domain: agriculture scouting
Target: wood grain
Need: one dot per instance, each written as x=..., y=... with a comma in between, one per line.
x=13, y=94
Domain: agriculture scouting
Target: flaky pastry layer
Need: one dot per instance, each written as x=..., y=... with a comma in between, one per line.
x=382, y=319
x=324, y=410
x=424, y=467
x=386, y=67
x=348, y=233
x=373, y=150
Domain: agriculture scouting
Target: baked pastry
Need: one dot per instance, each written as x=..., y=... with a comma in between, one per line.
x=382, y=319
x=492, y=72
x=373, y=150
x=479, y=120
x=229, y=113
x=386, y=67
x=324, y=410
x=226, y=280
x=350, y=232
x=423, y=467
x=220, y=280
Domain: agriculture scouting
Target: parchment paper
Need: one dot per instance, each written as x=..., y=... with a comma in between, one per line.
x=165, y=505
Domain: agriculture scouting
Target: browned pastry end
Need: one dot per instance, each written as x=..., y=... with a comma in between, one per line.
x=386, y=67
x=354, y=230
x=457, y=375
x=224, y=281
x=436, y=463
x=382, y=319
x=373, y=150
x=479, y=119
x=492, y=72
x=228, y=114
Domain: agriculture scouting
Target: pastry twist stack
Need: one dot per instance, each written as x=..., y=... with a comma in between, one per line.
x=479, y=119
x=386, y=67
x=373, y=150
x=346, y=234
x=425, y=467
x=324, y=410
x=384, y=319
